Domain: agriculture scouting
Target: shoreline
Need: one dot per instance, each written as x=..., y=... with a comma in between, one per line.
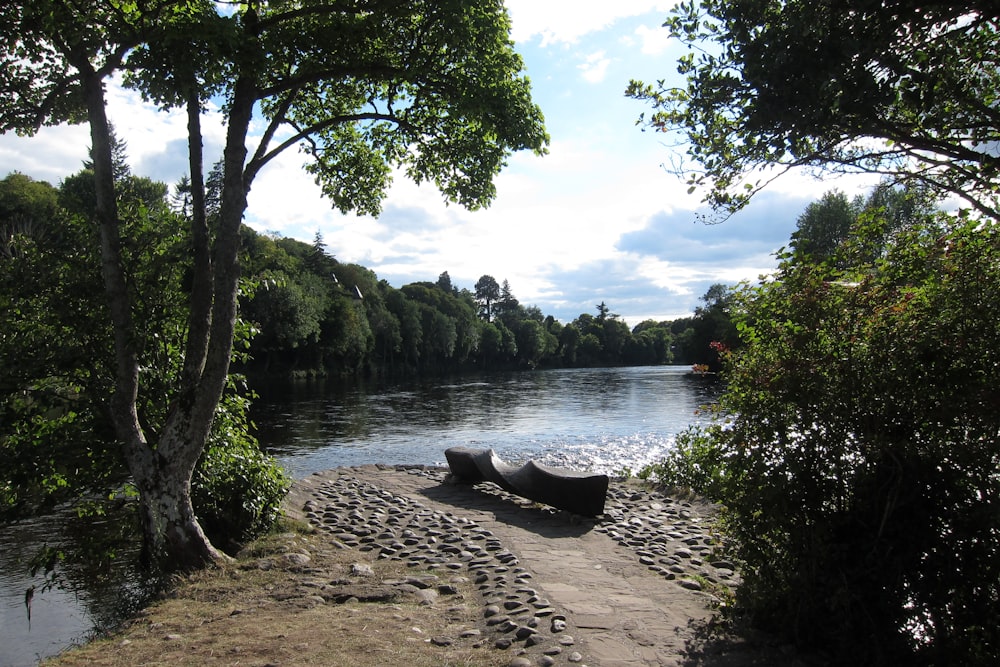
x=400, y=566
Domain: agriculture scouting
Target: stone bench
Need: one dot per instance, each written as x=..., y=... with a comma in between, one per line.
x=578, y=492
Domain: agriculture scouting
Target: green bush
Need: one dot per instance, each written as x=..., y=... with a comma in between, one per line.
x=696, y=463
x=862, y=455
x=237, y=489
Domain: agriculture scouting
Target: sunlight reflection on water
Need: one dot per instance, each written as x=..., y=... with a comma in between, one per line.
x=590, y=419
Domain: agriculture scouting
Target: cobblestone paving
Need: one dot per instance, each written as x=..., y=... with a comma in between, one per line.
x=556, y=589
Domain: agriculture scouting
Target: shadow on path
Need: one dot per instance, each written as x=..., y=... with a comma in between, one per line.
x=509, y=509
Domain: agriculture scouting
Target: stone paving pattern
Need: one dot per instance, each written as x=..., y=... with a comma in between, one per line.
x=624, y=590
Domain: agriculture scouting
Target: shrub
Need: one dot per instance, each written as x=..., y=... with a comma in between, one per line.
x=237, y=489
x=862, y=459
x=696, y=463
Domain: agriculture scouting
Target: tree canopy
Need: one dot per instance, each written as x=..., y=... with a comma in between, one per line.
x=905, y=89
x=433, y=90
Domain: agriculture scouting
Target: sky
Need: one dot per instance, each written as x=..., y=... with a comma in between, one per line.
x=601, y=218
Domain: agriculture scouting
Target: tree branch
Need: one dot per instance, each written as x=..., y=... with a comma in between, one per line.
x=258, y=163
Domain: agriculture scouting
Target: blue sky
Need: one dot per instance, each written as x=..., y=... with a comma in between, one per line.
x=600, y=218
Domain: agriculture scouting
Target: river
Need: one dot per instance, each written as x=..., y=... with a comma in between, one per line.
x=605, y=420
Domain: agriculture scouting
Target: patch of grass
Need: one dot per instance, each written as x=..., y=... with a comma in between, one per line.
x=267, y=609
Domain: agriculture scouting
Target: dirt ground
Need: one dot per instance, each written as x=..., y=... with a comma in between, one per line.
x=301, y=597
x=269, y=608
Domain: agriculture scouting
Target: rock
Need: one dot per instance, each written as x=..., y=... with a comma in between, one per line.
x=423, y=582
x=575, y=657
x=362, y=570
x=441, y=640
x=690, y=584
x=296, y=559
x=426, y=596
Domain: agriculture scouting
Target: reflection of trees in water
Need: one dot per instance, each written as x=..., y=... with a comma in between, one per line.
x=576, y=415
x=105, y=567
x=93, y=557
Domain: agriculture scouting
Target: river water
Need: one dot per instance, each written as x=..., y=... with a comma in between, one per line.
x=605, y=420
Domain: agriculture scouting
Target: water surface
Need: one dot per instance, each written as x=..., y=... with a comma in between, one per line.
x=591, y=419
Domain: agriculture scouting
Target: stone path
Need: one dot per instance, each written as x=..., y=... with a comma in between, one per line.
x=631, y=589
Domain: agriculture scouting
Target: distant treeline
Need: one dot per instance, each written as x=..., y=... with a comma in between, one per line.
x=302, y=311
x=315, y=315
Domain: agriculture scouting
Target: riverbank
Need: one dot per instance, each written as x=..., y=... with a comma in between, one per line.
x=394, y=565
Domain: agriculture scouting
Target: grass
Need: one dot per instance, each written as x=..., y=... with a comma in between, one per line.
x=263, y=609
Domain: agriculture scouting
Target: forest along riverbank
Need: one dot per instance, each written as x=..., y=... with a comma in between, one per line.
x=640, y=586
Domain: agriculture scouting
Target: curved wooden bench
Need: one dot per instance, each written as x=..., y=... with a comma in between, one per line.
x=570, y=490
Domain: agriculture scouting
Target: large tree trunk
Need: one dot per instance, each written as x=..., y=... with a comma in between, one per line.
x=166, y=489
x=172, y=537
x=162, y=470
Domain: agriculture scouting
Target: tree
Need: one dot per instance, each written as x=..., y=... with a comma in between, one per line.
x=57, y=443
x=569, y=343
x=51, y=351
x=532, y=342
x=444, y=282
x=905, y=89
x=507, y=307
x=27, y=208
x=432, y=89
x=287, y=311
x=319, y=261
x=713, y=328
x=827, y=227
x=487, y=295
x=824, y=225
x=602, y=311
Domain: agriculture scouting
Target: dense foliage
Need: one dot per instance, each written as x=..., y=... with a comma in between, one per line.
x=318, y=316
x=902, y=88
x=57, y=443
x=857, y=451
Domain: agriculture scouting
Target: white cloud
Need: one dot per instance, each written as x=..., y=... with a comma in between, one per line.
x=566, y=21
x=594, y=67
x=653, y=41
x=50, y=155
